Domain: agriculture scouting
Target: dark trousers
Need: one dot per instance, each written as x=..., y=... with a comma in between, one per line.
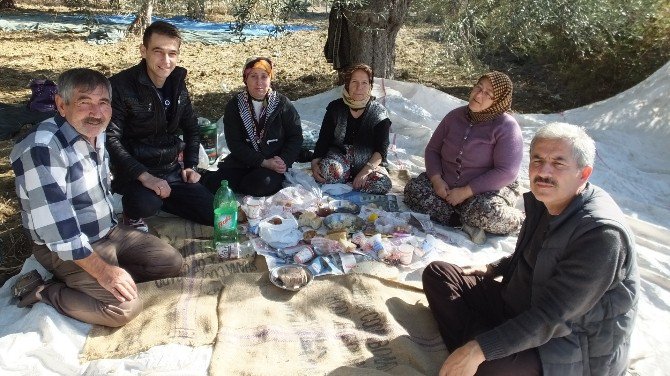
x=75, y=293
x=191, y=201
x=257, y=182
x=465, y=306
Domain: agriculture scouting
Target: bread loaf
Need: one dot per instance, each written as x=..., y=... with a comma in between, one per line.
x=292, y=277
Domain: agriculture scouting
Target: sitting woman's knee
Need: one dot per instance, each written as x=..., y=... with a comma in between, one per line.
x=333, y=171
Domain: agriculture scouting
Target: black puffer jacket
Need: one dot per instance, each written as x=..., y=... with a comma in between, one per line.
x=139, y=137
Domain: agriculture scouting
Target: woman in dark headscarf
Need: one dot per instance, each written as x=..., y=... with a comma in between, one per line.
x=472, y=162
x=354, y=137
x=263, y=133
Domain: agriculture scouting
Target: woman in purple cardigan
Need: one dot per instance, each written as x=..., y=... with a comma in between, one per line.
x=472, y=162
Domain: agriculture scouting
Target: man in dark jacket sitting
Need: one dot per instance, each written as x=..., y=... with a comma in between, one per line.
x=153, y=168
x=568, y=296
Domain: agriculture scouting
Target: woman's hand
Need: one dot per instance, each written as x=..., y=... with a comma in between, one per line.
x=457, y=195
x=275, y=164
x=362, y=177
x=316, y=171
x=440, y=187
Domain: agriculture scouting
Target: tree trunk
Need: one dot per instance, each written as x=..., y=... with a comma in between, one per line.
x=143, y=19
x=196, y=9
x=365, y=34
x=7, y=4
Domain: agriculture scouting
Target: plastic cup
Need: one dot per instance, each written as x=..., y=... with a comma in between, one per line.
x=406, y=252
x=253, y=207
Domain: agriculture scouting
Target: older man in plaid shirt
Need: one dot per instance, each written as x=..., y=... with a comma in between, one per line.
x=63, y=182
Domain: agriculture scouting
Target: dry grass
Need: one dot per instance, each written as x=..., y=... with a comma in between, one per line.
x=14, y=243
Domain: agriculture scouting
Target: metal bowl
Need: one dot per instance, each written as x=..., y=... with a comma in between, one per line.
x=275, y=272
x=344, y=222
x=344, y=206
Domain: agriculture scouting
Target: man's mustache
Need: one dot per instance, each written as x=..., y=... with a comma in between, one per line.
x=93, y=120
x=540, y=179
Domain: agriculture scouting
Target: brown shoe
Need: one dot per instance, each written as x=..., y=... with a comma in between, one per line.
x=26, y=284
x=28, y=289
x=33, y=296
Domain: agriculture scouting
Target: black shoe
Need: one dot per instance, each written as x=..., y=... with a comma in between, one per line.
x=305, y=156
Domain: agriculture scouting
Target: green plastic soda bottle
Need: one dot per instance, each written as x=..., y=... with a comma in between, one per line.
x=225, y=223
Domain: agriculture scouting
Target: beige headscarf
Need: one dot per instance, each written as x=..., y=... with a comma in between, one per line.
x=502, y=91
x=354, y=104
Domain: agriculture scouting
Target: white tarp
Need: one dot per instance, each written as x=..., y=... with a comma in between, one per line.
x=631, y=131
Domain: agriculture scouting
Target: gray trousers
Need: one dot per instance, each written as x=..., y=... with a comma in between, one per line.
x=75, y=293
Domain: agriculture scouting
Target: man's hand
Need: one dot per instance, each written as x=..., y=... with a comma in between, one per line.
x=464, y=361
x=112, y=278
x=275, y=164
x=160, y=186
x=479, y=270
x=440, y=187
x=457, y=195
x=316, y=171
x=117, y=281
x=190, y=175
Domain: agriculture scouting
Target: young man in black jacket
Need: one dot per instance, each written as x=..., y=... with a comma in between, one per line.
x=568, y=296
x=153, y=168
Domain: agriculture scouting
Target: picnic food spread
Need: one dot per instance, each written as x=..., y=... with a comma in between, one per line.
x=321, y=235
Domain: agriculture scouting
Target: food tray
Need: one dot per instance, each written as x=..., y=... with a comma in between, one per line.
x=344, y=206
x=274, y=277
x=344, y=222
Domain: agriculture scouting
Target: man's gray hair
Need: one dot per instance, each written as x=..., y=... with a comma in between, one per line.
x=84, y=79
x=583, y=146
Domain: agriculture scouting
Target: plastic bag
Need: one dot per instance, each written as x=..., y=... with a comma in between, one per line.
x=296, y=176
x=336, y=189
x=280, y=232
x=295, y=198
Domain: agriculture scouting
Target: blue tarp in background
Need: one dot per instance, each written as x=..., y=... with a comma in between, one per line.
x=103, y=29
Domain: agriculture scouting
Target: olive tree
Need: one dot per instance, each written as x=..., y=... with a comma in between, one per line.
x=365, y=32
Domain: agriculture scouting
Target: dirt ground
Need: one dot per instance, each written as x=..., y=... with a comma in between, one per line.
x=215, y=75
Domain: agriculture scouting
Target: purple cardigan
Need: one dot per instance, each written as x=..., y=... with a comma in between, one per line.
x=490, y=152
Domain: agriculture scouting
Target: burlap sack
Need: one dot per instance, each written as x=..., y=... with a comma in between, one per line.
x=176, y=310
x=341, y=325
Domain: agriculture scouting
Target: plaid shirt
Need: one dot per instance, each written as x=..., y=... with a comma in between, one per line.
x=64, y=187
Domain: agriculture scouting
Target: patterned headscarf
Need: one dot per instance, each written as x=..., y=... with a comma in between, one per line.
x=263, y=63
x=502, y=102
